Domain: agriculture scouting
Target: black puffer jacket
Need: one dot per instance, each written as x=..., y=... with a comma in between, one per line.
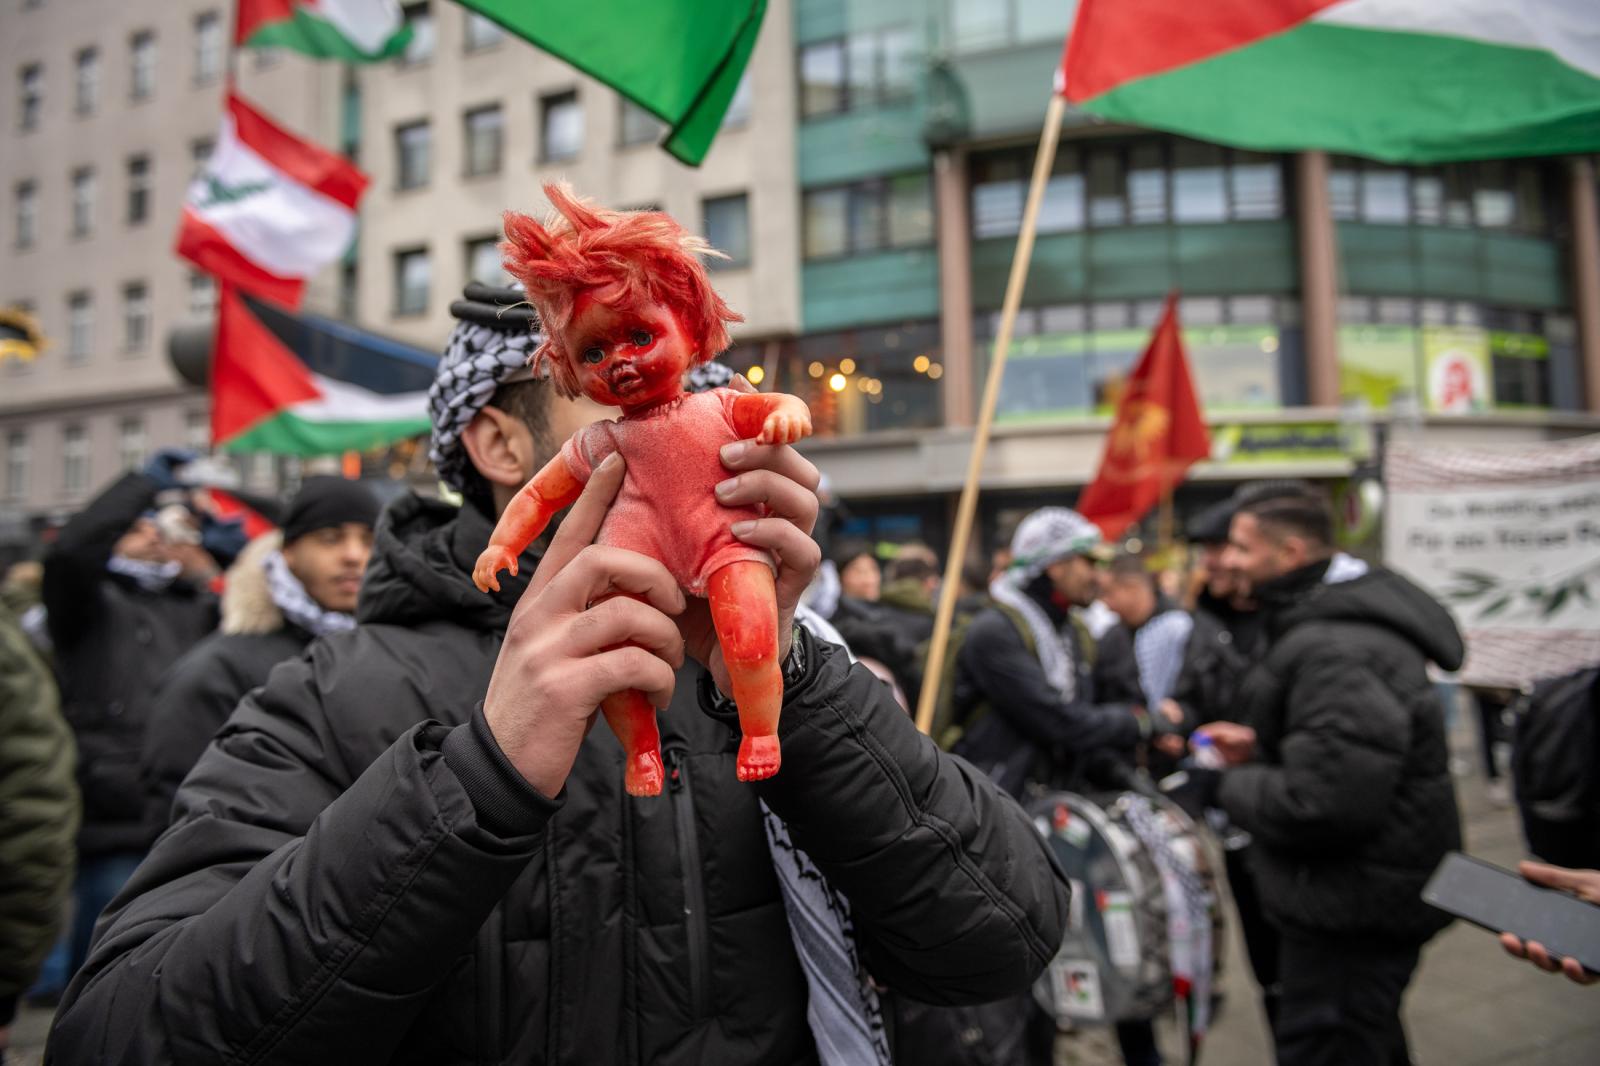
x=204, y=686
x=1021, y=731
x=113, y=642
x=1350, y=799
x=357, y=875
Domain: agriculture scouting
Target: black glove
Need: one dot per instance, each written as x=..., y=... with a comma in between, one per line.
x=1194, y=788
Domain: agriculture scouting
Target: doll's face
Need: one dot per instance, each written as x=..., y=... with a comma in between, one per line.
x=628, y=357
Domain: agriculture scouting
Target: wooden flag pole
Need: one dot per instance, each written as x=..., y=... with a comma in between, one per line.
x=991, y=393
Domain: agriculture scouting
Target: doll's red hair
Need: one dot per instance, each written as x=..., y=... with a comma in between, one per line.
x=625, y=258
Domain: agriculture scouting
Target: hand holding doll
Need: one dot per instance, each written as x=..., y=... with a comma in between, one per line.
x=628, y=309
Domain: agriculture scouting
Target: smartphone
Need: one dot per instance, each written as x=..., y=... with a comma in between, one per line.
x=1502, y=902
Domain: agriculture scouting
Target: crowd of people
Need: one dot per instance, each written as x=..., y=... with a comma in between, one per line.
x=351, y=809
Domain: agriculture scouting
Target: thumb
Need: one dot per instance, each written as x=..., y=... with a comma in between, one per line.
x=1557, y=877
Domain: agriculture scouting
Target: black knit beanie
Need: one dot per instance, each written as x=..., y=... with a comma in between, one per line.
x=328, y=501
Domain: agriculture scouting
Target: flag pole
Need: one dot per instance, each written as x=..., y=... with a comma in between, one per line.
x=991, y=394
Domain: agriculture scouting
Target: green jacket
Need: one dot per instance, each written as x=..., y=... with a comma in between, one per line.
x=38, y=811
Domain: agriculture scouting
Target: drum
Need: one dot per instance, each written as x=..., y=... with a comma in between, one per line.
x=1146, y=917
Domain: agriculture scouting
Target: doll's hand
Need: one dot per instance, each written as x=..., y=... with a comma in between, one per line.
x=786, y=426
x=561, y=657
x=495, y=558
x=786, y=483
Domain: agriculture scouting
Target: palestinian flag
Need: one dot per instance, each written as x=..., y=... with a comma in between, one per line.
x=303, y=385
x=356, y=31
x=270, y=209
x=680, y=60
x=1401, y=80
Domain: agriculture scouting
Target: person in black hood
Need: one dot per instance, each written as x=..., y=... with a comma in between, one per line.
x=412, y=845
x=125, y=594
x=288, y=587
x=1338, y=770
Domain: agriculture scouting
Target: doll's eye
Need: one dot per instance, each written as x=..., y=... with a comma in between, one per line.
x=594, y=355
x=641, y=337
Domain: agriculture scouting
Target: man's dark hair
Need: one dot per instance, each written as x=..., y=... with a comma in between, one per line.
x=849, y=550
x=527, y=401
x=914, y=567
x=1127, y=567
x=1303, y=514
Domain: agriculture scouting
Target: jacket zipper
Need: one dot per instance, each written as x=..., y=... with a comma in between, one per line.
x=694, y=889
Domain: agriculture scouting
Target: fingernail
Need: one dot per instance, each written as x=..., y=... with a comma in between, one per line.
x=611, y=461
x=726, y=488
x=743, y=529
x=732, y=453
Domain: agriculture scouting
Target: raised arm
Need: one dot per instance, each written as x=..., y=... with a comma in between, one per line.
x=525, y=517
x=771, y=417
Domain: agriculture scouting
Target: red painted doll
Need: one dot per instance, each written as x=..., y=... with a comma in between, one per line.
x=627, y=310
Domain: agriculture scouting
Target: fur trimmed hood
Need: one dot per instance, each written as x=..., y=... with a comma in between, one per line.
x=247, y=605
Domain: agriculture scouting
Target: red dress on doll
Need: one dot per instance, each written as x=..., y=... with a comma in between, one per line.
x=667, y=508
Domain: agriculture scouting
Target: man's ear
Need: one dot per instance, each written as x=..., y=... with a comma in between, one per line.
x=500, y=448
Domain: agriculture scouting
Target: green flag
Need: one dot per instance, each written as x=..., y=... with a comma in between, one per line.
x=681, y=60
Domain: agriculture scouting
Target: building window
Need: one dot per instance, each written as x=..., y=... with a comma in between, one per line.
x=349, y=290
x=27, y=214
x=86, y=81
x=424, y=33
x=481, y=33
x=142, y=83
x=413, y=277
x=868, y=216
x=863, y=70
x=83, y=190
x=727, y=228
x=635, y=125
x=18, y=462
x=132, y=444
x=135, y=317
x=560, y=127
x=202, y=295
x=738, y=112
x=74, y=459
x=484, y=130
x=862, y=380
x=200, y=156
x=208, y=46
x=484, y=262
x=1496, y=194
x=981, y=25
x=80, y=327
x=413, y=146
x=197, y=431
x=138, y=189
x=30, y=96
x=1146, y=182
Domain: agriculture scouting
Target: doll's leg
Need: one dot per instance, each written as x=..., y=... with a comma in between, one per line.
x=744, y=611
x=633, y=720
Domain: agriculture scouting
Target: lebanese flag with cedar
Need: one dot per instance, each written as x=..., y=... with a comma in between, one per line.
x=1157, y=435
x=270, y=209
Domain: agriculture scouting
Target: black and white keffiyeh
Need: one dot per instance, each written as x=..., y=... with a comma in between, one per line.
x=149, y=576
x=1158, y=648
x=296, y=603
x=1045, y=536
x=477, y=360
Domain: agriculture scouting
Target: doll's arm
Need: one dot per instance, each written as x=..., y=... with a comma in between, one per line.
x=525, y=517
x=771, y=417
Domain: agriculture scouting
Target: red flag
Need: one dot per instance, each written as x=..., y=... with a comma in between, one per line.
x=1158, y=434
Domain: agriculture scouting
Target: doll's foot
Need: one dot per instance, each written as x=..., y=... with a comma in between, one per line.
x=759, y=758
x=644, y=775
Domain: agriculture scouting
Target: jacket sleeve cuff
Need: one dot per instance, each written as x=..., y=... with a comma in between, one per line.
x=505, y=804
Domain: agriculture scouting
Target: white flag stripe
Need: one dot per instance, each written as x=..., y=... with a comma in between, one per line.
x=1567, y=29
x=283, y=226
x=343, y=402
x=367, y=24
